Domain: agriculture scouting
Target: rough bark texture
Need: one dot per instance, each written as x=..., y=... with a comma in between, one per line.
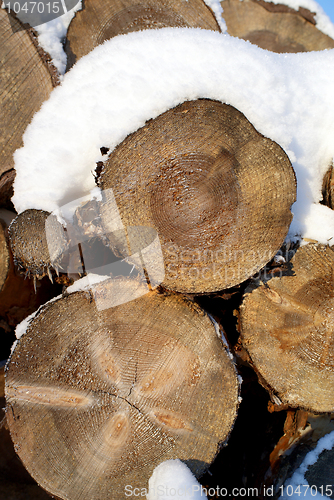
x=217, y=192
x=278, y=28
x=100, y=21
x=98, y=396
x=25, y=83
x=287, y=329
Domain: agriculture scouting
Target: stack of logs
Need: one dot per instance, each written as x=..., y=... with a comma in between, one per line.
x=97, y=396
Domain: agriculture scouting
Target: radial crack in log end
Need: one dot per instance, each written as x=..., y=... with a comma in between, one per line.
x=291, y=341
x=99, y=21
x=97, y=426
x=38, y=242
x=274, y=27
x=204, y=179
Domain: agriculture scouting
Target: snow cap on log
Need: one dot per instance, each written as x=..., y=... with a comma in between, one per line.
x=25, y=83
x=275, y=27
x=118, y=392
x=287, y=329
x=217, y=192
x=99, y=21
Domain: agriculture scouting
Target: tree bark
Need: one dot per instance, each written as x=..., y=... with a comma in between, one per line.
x=274, y=27
x=217, y=193
x=100, y=21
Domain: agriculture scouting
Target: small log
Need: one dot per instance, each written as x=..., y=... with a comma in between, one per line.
x=287, y=329
x=19, y=295
x=27, y=79
x=274, y=27
x=97, y=397
x=205, y=180
x=31, y=247
x=99, y=21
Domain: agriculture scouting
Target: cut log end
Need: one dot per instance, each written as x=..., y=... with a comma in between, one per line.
x=204, y=179
x=274, y=27
x=287, y=327
x=118, y=392
x=99, y=21
x=25, y=83
x=36, y=248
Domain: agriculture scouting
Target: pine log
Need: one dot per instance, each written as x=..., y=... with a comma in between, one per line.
x=99, y=21
x=37, y=241
x=287, y=329
x=27, y=79
x=216, y=191
x=274, y=27
x=97, y=397
x=16, y=484
x=19, y=296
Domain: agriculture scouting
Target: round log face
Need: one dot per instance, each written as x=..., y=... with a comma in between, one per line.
x=217, y=192
x=277, y=28
x=100, y=21
x=25, y=84
x=97, y=399
x=31, y=247
x=287, y=327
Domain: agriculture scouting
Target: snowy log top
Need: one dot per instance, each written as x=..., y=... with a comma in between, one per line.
x=131, y=78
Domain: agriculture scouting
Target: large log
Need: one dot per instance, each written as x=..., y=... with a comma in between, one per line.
x=27, y=79
x=97, y=396
x=100, y=20
x=287, y=329
x=274, y=27
x=215, y=190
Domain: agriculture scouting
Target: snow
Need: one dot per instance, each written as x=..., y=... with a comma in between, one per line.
x=297, y=483
x=52, y=34
x=217, y=9
x=86, y=283
x=131, y=78
x=172, y=479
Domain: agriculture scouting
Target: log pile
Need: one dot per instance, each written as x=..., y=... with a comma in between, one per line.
x=106, y=383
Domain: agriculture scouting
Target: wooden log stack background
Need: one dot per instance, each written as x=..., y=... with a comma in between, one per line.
x=96, y=397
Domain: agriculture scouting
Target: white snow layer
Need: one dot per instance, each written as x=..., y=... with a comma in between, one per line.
x=297, y=487
x=51, y=36
x=217, y=9
x=173, y=479
x=131, y=78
